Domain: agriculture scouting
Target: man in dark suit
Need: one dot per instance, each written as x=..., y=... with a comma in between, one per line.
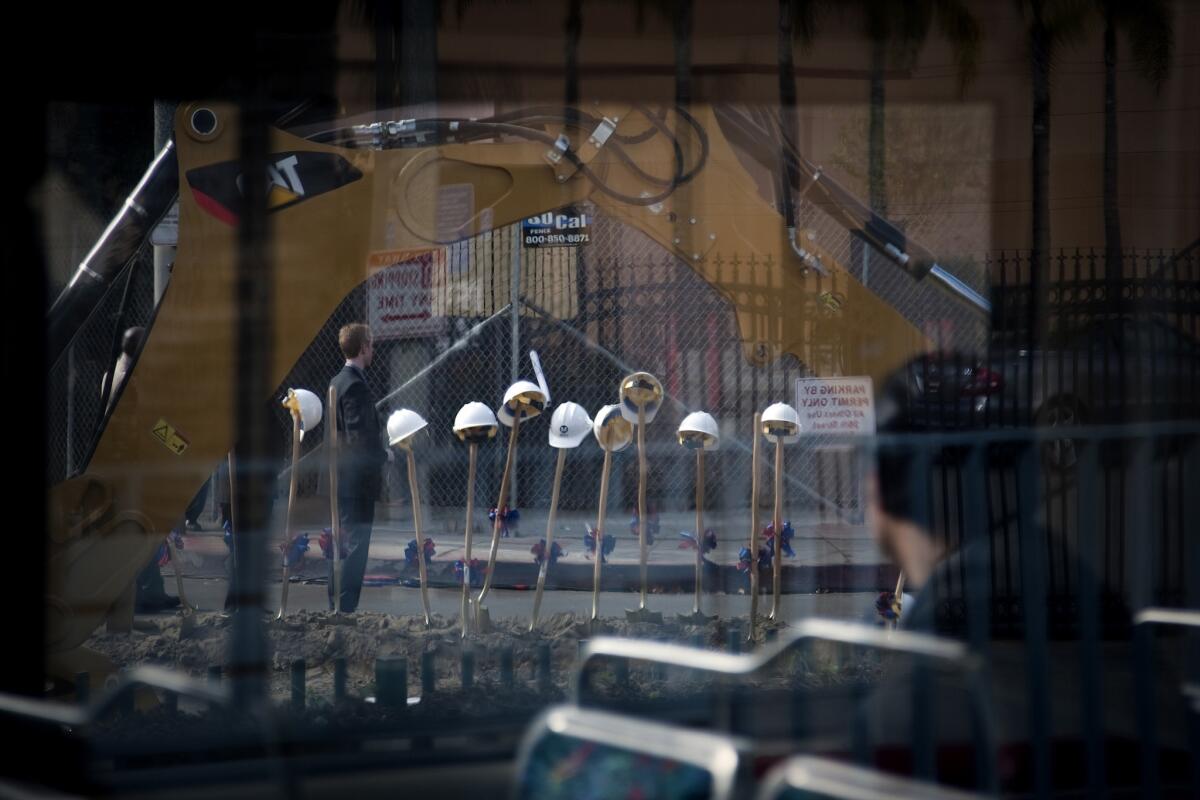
x=361, y=454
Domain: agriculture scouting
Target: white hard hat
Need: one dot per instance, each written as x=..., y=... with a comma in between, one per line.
x=611, y=429
x=402, y=425
x=640, y=389
x=525, y=396
x=780, y=422
x=307, y=405
x=475, y=423
x=699, y=430
x=569, y=425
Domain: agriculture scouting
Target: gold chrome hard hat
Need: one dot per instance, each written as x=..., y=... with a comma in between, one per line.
x=640, y=390
x=524, y=398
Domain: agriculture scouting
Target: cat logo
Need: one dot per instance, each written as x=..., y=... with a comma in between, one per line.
x=291, y=178
x=283, y=183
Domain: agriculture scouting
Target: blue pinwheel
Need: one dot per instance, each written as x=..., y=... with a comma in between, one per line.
x=508, y=520
x=652, y=526
x=687, y=541
x=589, y=541
x=539, y=552
x=786, y=542
x=293, y=552
x=887, y=605
x=476, y=572
x=410, y=552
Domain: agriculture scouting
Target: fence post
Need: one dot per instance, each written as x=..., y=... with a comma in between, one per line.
x=1141, y=596
x=1089, y=531
x=1033, y=603
x=515, y=335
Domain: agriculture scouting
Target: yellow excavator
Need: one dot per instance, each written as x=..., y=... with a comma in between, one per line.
x=340, y=198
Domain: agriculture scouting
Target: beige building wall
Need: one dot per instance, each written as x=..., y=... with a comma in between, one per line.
x=974, y=201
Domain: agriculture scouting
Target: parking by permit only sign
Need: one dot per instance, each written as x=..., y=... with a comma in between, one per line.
x=843, y=406
x=564, y=228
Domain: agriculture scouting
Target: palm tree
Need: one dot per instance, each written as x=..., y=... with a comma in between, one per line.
x=897, y=32
x=1052, y=23
x=405, y=47
x=679, y=14
x=574, y=30
x=1147, y=28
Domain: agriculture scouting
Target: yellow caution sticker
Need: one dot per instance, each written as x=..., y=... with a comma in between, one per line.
x=170, y=437
x=832, y=301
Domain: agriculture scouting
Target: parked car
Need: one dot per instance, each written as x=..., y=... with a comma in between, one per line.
x=1107, y=371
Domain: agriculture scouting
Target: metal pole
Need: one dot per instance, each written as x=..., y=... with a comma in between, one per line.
x=515, y=335
x=960, y=289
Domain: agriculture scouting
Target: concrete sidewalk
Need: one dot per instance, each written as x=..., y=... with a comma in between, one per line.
x=830, y=557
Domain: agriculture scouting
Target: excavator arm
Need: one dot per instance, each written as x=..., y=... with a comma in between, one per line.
x=340, y=198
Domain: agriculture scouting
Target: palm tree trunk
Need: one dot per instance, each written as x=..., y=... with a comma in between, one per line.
x=418, y=57
x=574, y=31
x=876, y=143
x=683, y=53
x=1112, y=211
x=385, y=57
x=1039, y=257
x=789, y=171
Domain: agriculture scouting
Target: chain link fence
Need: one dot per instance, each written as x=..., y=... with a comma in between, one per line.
x=619, y=304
